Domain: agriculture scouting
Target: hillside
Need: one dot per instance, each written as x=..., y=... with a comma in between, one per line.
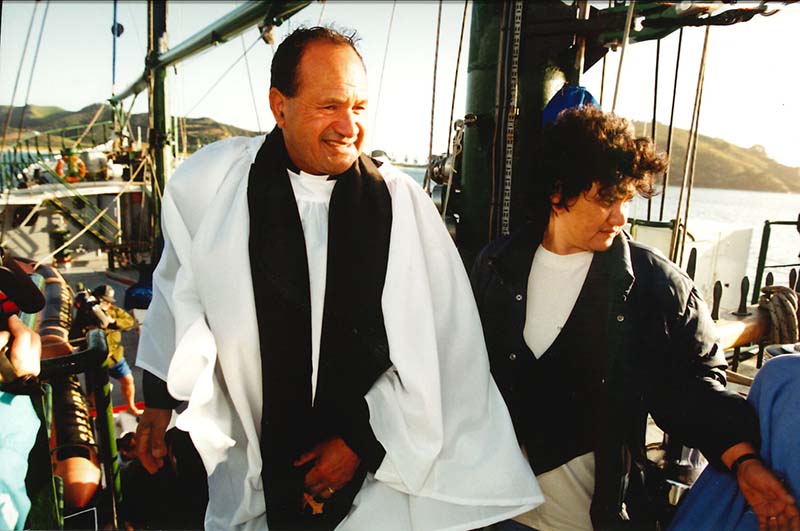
x=719, y=163
x=199, y=131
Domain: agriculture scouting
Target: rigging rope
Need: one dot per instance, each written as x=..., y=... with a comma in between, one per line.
x=19, y=73
x=452, y=111
x=33, y=69
x=671, y=124
x=383, y=68
x=427, y=181
x=655, y=121
x=603, y=72
x=691, y=150
x=455, y=76
x=321, y=12
x=625, y=37
x=250, y=79
x=88, y=127
x=225, y=73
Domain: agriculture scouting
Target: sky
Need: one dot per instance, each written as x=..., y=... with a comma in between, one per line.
x=748, y=97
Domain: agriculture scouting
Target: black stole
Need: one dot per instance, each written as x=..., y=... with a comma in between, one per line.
x=353, y=350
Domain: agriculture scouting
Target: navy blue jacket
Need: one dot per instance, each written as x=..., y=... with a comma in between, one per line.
x=664, y=360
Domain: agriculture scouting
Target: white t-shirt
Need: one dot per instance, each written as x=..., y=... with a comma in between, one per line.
x=554, y=283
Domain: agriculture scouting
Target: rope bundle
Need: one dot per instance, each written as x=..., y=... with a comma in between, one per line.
x=782, y=304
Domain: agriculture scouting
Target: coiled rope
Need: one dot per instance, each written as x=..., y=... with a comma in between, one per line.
x=782, y=304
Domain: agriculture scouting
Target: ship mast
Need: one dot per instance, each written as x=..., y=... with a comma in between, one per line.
x=159, y=135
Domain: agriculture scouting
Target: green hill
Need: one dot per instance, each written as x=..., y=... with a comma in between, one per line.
x=199, y=131
x=720, y=164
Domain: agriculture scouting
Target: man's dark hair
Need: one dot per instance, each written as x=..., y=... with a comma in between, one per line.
x=586, y=146
x=287, y=57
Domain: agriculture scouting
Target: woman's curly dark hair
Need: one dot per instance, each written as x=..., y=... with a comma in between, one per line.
x=586, y=146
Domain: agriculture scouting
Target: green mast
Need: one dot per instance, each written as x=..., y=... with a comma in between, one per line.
x=159, y=135
x=510, y=78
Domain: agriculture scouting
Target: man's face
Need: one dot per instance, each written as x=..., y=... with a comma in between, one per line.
x=323, y=124
x=590, y=224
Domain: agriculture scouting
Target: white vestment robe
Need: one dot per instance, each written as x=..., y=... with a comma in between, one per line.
x=452, y=460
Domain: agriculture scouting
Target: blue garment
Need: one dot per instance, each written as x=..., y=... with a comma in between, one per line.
x=567, y=97
x=715, y=502
x=119, y=370
x=138, y=296
x=18, y=428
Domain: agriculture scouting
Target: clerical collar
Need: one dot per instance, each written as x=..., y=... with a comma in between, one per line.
x=297, y=171
x=305, y=175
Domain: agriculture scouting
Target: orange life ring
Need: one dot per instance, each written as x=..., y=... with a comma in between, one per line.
x=59, y=169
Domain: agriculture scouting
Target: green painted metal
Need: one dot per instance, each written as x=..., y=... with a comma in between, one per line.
x=766, y=234
x=160, y=135
x=107, y=442
x=476, y=177
x=545, y=64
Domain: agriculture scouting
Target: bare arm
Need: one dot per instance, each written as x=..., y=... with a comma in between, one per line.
x=26, y=350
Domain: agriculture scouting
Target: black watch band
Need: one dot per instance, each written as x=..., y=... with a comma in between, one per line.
x=741, y=459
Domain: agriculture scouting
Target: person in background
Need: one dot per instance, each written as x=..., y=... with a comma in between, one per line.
x=97, y=310
x=313, y=309
x=588, y=332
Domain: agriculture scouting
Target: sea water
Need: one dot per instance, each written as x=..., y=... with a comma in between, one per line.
x=740, y=208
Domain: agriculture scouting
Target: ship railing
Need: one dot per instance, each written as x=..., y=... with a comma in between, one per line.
x=766, y=233
x=73, y=204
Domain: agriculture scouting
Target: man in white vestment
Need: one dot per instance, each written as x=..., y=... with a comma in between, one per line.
x=312, y=311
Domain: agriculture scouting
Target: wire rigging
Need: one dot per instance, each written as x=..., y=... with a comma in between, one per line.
x=250, y=80
x=97, y=114
x=654, y=128
x=625, y=37
x=383, y=69
x=33, y=70
x=455, y=76
x=221, y=77
x=452, y=109
x=321, y=13
x=427, y=181
x=691, y=152
x=671, y=124
x=19, y=73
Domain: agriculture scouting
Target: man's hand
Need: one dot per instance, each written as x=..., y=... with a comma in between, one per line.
x=151, y=448
x=26, y=350
x=335, y=466
x=774, y=506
